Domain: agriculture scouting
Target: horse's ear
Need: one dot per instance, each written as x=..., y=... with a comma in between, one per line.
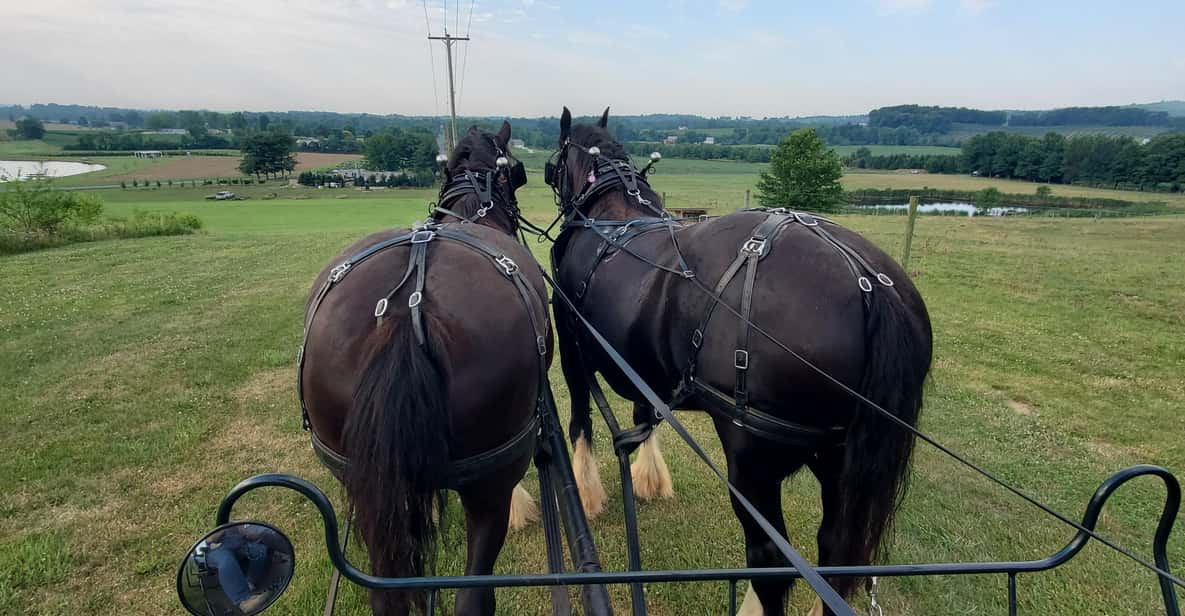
x=503, y=136
x=604, y=121
x=473, y=130
x=565, y=125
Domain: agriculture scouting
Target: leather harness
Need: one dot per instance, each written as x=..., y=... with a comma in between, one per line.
x=465, y=470
x=617, y=234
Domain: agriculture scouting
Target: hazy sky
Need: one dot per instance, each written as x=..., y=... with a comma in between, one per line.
x=529, y=57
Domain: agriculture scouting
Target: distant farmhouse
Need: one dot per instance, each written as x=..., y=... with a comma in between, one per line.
x=671, y=139
x=709, y=141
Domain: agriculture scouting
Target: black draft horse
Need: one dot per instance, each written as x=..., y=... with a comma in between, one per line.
x=429, y=352
x=818, y=291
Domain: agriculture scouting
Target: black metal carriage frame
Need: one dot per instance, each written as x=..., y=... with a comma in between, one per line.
x=1012, y=569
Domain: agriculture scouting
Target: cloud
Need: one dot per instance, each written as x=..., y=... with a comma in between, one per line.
x=975, y=7
x=903, y=7
x=734, y=5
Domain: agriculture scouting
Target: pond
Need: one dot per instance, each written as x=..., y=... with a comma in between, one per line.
x=21, y=169
x=970, y=209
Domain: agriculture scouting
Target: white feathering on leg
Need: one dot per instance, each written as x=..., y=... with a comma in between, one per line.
x=588, y=479
x=751, y=606
x=523, y=510
x=652, y=478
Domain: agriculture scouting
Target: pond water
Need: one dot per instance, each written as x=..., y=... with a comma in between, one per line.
x=20, y=169
x=969, y=209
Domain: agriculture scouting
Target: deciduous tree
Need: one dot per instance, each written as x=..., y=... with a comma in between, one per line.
x=803, y=175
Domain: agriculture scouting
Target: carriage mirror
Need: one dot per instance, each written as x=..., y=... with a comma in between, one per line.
x=238, y=568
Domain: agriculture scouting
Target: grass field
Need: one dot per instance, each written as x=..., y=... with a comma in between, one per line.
x=884, y=150
x=143, y=378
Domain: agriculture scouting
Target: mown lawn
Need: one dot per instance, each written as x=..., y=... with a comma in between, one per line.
x=143, y=378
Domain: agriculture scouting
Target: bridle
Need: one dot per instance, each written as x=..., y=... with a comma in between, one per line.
x=493, y=188
x=604, y=174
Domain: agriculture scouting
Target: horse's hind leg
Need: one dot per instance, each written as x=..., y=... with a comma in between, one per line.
x=827, y=469
x=757, y=471
x=487, y=512
x=652, y=478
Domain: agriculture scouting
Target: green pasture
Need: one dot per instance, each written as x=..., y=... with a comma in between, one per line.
x=885, y=150
x=143, y=378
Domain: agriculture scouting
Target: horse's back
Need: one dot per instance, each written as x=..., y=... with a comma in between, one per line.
x=487, y=340
x=804, y=295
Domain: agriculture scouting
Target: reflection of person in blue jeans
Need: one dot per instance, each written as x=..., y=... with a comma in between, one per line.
x=228, y=555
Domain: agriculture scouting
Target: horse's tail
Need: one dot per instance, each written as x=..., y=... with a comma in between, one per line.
x=397, y=441
x=877, y=452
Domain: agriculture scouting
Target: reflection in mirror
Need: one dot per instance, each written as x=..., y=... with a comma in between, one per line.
x=238, y=569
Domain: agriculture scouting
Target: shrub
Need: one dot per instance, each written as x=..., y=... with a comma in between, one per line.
x=34, y=206
x=141, y=224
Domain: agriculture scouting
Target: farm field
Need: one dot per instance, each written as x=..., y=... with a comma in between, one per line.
x=721, y=184
x=145, y=377
x=884, y=150
x=219, y=166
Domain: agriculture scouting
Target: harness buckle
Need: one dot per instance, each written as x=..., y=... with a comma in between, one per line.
x=380, y=308
x=697, y=338
x=883, y=279
x=805, y=219
x=740, y=359
x=865, y=284
x=688, y=274
x=338, y=272
x=415, y=299
x=541, y=345
x=754, y=246
x=421, y=236
x=508, y=265
x=481, y=211
x=581, y=288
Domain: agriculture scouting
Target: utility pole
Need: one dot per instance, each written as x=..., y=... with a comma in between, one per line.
x=452, y=92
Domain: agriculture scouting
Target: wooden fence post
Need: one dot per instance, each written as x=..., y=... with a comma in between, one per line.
x=913, y=216
x=746, y=198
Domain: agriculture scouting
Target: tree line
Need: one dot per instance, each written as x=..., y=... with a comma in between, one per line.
x=1095, y=160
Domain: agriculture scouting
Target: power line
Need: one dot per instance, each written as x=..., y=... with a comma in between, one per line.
x=432, y=59
x=465, y=56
